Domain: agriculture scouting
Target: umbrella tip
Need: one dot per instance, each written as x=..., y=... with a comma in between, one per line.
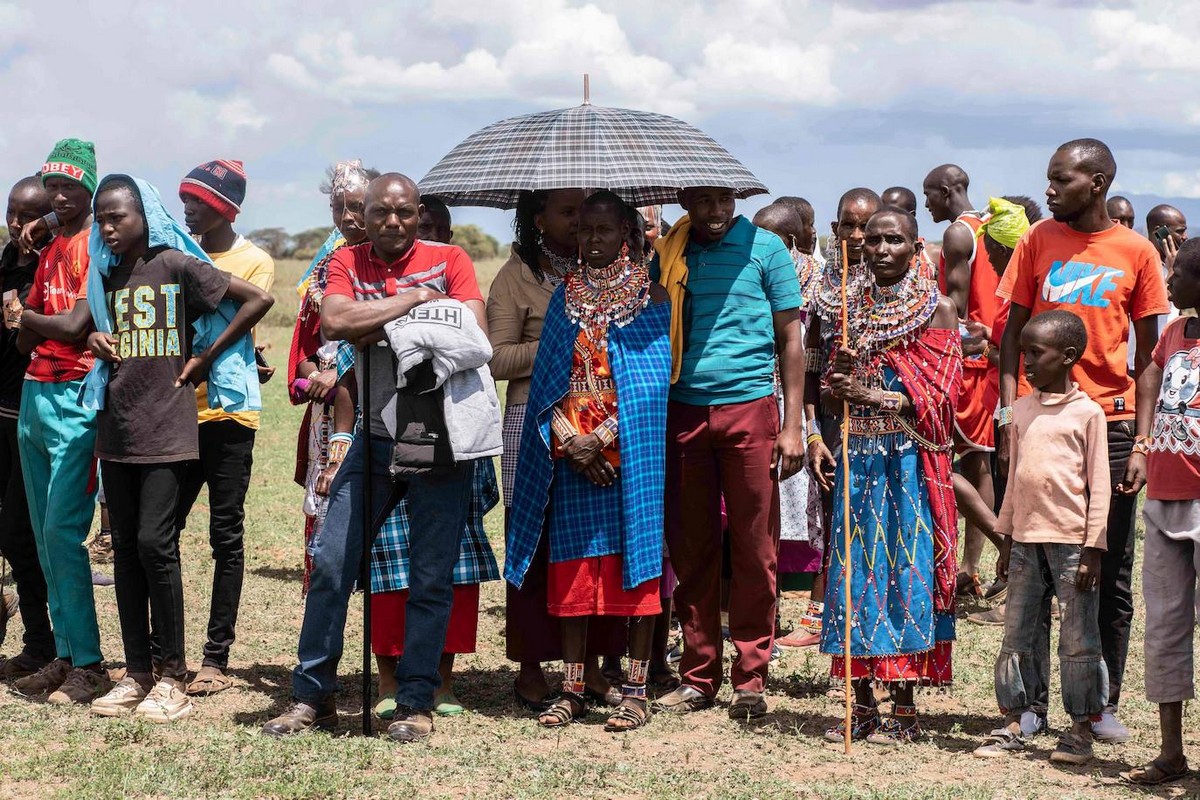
x=587, y=90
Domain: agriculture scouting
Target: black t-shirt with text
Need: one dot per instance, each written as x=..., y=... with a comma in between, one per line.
x=153, y=303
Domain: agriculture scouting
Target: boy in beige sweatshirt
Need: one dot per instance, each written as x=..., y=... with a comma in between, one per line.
x=1054, y=521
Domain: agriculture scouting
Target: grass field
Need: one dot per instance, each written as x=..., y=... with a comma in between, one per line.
x=496, y=751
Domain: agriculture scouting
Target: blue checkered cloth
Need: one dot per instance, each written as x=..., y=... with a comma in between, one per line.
x=640, y=357
x=476, y=562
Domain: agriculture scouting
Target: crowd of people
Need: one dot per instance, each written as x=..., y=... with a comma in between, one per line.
x=695, y=414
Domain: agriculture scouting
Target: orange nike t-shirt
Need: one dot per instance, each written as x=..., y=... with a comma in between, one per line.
x=1106, y=279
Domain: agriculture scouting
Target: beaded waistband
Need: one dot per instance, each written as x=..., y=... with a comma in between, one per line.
x=875, y=425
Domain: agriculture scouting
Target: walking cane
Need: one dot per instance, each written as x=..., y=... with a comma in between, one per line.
x=846, y=512
x=364, y=578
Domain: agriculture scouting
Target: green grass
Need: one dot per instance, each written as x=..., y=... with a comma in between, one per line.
x=494, y=751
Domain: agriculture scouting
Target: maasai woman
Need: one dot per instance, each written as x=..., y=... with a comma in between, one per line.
x=312, y=362
x=591, y=469
x=901, y=375
x=545, y=250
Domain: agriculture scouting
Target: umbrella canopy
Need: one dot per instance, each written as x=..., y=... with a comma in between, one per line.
x=643, y=157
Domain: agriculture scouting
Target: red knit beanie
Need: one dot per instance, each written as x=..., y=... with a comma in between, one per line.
x=221, y=185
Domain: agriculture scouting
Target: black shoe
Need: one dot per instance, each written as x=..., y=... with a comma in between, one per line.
x=303, y=717
x=747, y=705
x=410, y=725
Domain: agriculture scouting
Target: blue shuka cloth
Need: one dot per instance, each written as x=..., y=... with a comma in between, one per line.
x=233, y=376
x=640, y=357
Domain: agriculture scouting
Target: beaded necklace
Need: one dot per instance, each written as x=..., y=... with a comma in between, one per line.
x=807, y=271
x=614, y=294
x=887, y=316
x=559, y=265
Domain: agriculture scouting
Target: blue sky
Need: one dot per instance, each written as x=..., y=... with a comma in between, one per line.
x=814, y=97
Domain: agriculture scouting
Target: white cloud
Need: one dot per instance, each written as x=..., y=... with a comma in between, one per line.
x=206, y=117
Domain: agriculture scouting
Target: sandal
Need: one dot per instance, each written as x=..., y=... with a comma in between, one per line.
x=385, y=709
x=445, y=704
x=1000, y=742
x=562, y=712
x=1155, y=773
x=610, y=698
x=209, y=681
x=632, y=711
x=864, y=722
x=533, y=706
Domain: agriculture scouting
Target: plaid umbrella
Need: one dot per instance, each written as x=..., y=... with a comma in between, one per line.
x=643, y=157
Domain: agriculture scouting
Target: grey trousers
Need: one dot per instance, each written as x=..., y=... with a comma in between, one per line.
x=1169, y=569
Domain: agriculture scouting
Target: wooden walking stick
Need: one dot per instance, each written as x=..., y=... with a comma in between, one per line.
x=846, y=513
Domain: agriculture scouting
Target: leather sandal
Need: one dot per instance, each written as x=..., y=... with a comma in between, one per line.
x=1155, y=773
x=562, y=712
x=632, y=711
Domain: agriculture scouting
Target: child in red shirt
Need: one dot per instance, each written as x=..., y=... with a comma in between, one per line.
x=1168, y=452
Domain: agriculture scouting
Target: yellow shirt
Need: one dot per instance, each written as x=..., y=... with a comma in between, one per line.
x=251, y=263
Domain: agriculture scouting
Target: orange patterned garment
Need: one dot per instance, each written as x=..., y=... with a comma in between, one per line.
x=592, y=396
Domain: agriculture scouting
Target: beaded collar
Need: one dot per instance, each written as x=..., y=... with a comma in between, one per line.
x=614, y=294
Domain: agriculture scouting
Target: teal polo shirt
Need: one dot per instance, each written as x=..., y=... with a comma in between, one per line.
x=733, y=288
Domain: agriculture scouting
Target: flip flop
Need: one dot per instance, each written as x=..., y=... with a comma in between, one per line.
x=445, y=704
x=209, y=681
x=385, y=709
x=1154, y=774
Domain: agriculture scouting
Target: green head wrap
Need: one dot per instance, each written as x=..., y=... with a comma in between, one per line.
x=1007, y=223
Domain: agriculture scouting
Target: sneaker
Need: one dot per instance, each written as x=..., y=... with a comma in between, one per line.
x=100, y=579
x=81, y=686
x=675, y=654
x=776, y=652
x=120, y=700
x=1072, y=750
x=46, y=679
x=993, y=617
x=19, y=666
x=1033, y=723
x=1108, y=729
x=166, y=702
x=100, y=548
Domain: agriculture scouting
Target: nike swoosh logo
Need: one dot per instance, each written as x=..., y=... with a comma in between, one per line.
x=1052, y=293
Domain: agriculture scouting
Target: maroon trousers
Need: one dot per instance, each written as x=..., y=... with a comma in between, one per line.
x=715, y=451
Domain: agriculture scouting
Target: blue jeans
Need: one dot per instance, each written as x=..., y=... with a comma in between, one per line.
x=1037, y=572
x=438, y=508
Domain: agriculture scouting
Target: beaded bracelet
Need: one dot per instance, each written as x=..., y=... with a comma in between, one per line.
x=1141, y=445
x=891, y=402
x=1004, y=416
x=814, y=428
x=337, y=451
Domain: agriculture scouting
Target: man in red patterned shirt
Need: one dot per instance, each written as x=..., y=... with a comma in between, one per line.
x=56, y=436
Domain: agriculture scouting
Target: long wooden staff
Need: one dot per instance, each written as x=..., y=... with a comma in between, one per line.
x=846, y=512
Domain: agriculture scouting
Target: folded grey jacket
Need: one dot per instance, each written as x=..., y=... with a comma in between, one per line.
x=446, y=333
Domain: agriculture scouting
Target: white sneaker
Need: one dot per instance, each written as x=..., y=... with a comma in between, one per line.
x=167, y=702
x=120, y=700
x=1107, y=728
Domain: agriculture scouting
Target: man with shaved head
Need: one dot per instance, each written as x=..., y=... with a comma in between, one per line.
x=900, y=197
x=369, y=285
x=1110, y=277
x=967, y=276
x=1166, y=226
x=1120, y=211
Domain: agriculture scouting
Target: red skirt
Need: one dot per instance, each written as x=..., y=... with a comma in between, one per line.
x=387, y=621
x=931, y=668
x=593, y=587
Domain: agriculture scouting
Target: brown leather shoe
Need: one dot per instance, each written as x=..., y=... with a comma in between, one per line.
x=45, y=680
x=410, y=725
x=747, y=704
x=303, y=717
x=19, y=666
x=683, y=700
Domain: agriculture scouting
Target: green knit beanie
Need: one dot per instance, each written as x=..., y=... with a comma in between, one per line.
x=74, y=159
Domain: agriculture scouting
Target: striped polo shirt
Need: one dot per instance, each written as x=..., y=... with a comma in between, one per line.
x=733, y=288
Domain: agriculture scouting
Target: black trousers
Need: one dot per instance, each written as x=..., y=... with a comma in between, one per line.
x=226, y=456
x=1116, y=567
x=18, y=547
x=142, y=503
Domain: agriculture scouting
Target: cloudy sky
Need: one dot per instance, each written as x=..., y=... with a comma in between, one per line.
x=815, y=97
